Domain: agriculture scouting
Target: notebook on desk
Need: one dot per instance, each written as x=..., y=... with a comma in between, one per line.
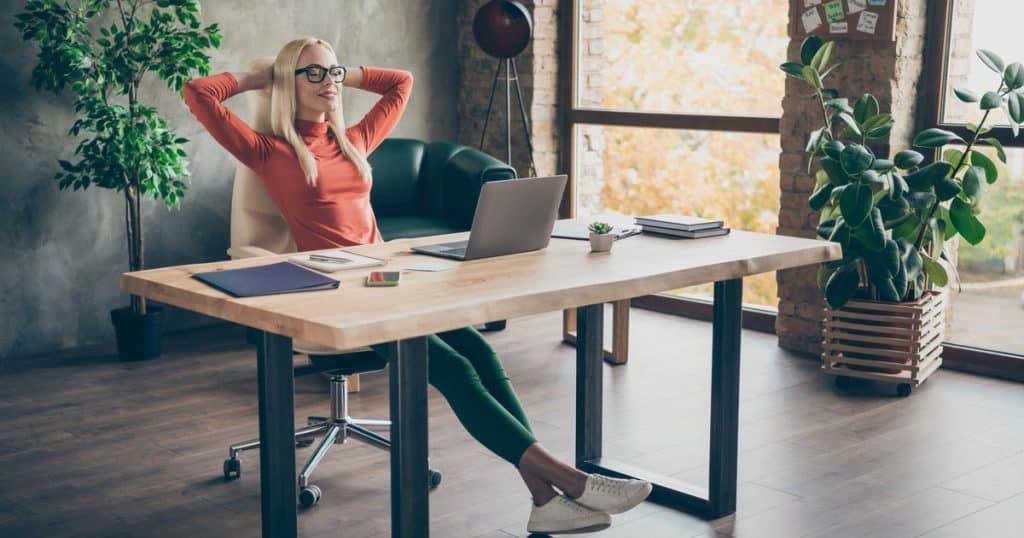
x=283, y=277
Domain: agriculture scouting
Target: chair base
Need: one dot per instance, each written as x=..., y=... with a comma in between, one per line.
x=336, y=429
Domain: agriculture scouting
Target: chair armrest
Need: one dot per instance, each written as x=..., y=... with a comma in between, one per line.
x=248, y=251
x=465, y=173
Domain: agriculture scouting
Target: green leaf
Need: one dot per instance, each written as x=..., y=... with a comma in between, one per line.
x=818, y=199
x=891, y=256
x=924, y=178
x=1015, y=104
x=991, y=100
x=907, y=159
x=980, y=159
x=879, y=132
x=887, y=291
x=899, y=185
x=840, y=103
x=812, y=76
x=820, y=59
x=1000, y=151
x=842, y=285
x=912, y=261
x=935, y=137
x=952, y=155
x=966, y=95
x=882, y=165
x=873, y=233
x=855, y=159
x=855, y=204
x=972, y=181
x=865, y=107
x=793, y=69
x=835, y=171
x=851, y=123
x=824, y=273
x=962, y=217
x=833, y=148
x=991, y=60
x=935, y=270
x=809, y=48
x=942, y=214
x=814, y=140
x=946, y=188
x=1013, y=76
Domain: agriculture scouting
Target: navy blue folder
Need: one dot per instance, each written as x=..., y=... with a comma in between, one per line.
x=283, y=277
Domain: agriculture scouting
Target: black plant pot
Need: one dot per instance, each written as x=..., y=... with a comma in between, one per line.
x=138, y=337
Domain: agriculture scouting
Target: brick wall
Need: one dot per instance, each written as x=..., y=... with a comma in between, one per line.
x=889, y=71
x=538, y=76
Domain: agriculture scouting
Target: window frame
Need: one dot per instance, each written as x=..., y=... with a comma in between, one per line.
x=572, y=115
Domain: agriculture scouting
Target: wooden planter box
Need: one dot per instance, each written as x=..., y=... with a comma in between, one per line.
x=890, y=342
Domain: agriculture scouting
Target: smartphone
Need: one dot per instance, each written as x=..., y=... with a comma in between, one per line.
x=383, y=278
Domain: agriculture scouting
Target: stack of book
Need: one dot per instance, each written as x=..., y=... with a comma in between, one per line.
x=681, y=226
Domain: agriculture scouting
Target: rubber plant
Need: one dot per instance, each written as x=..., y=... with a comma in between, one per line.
x=894, y=214
x=102, y=51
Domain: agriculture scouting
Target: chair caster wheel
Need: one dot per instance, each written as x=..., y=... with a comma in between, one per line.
x=842, y=381
x=904, y=390
x=232, y=468
x=309, y=496
x=303, y=443
x=434, y=478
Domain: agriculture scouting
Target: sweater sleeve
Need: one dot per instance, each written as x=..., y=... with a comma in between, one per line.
x=395, y=86
x=205, y=97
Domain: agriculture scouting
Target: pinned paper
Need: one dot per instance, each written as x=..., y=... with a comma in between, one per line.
x=867, y=22
x=809, y=3
x=838, y=27
x=876, y=2
x=856, y=6
x=834, y=11
x=811, y=19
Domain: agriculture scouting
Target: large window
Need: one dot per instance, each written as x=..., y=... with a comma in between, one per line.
x=988, y=314
x=675, y=109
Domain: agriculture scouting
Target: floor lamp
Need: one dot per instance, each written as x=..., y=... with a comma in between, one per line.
x=503, y=29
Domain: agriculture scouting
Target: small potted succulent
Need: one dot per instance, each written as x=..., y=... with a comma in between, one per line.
x=601, y=238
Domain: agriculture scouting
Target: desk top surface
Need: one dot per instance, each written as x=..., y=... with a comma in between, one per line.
x=564, y=275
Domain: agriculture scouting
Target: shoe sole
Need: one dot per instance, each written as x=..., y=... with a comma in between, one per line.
x=581, y=530
x=630, y=503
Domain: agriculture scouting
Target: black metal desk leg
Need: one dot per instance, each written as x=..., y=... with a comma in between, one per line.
x=725, y=395
x=589, y=376
x=410, y=513
x=277, y=436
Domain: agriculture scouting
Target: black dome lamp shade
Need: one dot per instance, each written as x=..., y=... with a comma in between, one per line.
x=503, y=29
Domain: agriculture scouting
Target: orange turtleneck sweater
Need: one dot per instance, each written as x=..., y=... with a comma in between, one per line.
x=335, y=213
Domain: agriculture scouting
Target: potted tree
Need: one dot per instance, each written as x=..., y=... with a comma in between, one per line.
x=102, y=50
x=893, y=217
x=601, y=238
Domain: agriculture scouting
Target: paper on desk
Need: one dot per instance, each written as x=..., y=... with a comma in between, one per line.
x=429, y=267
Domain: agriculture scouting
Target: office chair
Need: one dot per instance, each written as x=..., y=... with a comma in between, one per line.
x=419, y=189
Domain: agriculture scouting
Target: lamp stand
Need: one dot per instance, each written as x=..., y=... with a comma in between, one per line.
x=508, y=65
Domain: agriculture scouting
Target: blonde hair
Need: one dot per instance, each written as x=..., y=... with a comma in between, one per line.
x=282, y=112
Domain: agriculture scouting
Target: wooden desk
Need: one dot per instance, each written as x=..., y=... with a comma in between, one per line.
x=565, y=275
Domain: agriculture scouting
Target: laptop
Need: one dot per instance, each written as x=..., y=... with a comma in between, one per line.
x=512, y=216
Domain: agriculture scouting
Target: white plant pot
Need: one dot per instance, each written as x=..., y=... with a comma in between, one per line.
x=601, y=242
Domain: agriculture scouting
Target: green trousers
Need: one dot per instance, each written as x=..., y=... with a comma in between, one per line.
x=465, y=369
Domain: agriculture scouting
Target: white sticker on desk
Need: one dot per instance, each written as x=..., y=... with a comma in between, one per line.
x=855, y=6
x=838, y=27
x=867, y=22
x=811, y=19
x=809, y=3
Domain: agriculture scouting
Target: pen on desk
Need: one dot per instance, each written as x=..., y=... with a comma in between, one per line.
x=329, y=259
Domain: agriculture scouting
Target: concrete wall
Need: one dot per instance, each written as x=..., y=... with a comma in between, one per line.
x=61, y=252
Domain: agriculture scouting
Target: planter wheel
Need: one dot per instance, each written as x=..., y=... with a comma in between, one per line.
x=232, y=468
x=842, y=382
x=904, y=390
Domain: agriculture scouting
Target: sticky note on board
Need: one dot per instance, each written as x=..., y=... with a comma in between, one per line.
x=856, y=6
x=809, y=3
x=867, y=22
x=834, y=11
x=838, y=27
x=876, y=2
x=810, y=19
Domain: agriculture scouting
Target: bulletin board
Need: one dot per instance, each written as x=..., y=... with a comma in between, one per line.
x=845, y=19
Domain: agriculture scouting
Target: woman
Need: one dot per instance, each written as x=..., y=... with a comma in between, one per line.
x=315, y=170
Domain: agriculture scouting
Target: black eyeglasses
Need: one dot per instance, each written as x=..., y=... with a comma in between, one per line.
x=315, y=73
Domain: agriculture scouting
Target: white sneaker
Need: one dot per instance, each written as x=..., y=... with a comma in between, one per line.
x=563, y=516
x=613, y=495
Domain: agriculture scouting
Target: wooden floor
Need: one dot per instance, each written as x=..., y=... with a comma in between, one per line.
x=93, y=447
